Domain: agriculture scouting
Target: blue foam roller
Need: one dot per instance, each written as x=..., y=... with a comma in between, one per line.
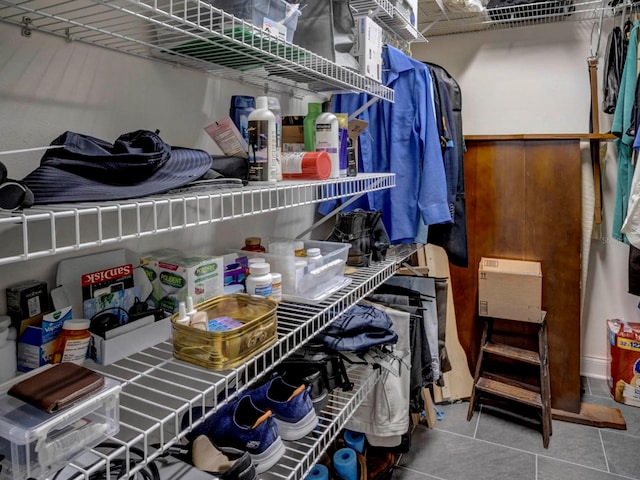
x=354, y=440
x=346, y=463
x=318, y=472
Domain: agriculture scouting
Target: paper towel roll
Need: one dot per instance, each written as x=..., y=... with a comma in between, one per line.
x=346, y=463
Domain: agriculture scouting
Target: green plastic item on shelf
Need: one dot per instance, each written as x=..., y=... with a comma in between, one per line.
x=226, y=52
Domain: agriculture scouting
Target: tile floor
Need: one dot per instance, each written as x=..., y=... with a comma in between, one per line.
x=490, y=447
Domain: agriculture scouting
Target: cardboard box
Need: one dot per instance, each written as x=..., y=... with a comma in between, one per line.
x=37, y=339
x=367, y=47
x=510, y=289
x=293, y=134
x=176, y=277
x=624, y=361
x=27, y=299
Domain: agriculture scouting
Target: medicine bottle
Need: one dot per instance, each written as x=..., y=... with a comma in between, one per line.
x=314, y=258
x=253, y=244
x=259, y=281
x=73, y=342
x=8, y=359
x=276, y=287
x=298, y=249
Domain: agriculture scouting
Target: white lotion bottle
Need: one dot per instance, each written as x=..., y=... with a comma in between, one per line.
x=262, y=144
x=328, y=140
x=274, y=106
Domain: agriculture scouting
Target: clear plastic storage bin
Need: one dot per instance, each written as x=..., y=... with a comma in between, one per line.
x=303, y=281
x=256, y=11
x=36, y=444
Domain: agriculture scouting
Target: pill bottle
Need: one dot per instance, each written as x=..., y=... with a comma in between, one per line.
x=298, y=249
x=314, y=258
x=259, y=281
x=276, y=287
x=72, y=343
x=253, y=244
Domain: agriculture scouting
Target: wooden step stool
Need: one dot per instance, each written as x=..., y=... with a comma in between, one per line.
x=538, y=397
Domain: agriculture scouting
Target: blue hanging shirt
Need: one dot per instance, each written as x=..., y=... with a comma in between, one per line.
x=402, y=138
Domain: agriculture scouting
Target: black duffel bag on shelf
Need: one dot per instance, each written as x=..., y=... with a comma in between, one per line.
x=366, y=233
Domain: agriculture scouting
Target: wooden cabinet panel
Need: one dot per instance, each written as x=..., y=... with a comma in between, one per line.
x=524, y=203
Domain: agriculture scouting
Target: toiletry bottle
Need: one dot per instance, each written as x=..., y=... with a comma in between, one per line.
x=262, y=144
x=306, y=165
x=241, y=107
x=183, y=318
x=309, y=124
x=274, y=106
x=191, y=310
x=328, y=139
x=5, y=321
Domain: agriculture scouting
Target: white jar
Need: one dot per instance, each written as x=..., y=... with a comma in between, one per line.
x=8, y=359
x=276, y=287
x=5, y=321
x=314, y=258
x=259, y=280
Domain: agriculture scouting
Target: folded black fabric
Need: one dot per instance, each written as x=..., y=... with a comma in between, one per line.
x=84, y=168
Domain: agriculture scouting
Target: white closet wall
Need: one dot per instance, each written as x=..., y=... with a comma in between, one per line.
x=536, y=80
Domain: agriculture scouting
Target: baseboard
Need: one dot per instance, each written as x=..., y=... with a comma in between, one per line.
x=594, y=367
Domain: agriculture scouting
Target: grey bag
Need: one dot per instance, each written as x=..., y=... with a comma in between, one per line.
x=327, y=28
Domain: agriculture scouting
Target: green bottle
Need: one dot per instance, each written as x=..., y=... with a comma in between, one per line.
x=315, y=109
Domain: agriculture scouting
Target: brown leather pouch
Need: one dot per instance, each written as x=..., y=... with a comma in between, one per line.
x=58, y=387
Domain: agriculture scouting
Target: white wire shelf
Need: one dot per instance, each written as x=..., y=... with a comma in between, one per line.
x=395, y=22
x=158, y=390
x=193, y=34
x=54, y=229
x=434, y=21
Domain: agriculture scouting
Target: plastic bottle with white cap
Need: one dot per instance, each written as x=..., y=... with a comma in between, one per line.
x=5, y=321
x=8, y=360
x=259, y=281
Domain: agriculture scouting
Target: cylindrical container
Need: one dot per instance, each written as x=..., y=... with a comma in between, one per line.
x=274, y=106
x=306, y=165
x=346, y=463
x=328, y=140
x=276, y=287
x=253, y=244
x=354, y=440
x=309, y=124
x=314, y=258
x=259, y=282
x=241, y=107
x=8, y=358
x=318, y=472
x=5, y=321
x=253, y=260
x=298, y=249
x=262, y=144
x=72, y=343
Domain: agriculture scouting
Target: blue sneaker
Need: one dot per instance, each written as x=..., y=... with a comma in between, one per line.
x=242, y=427
x=291, y=405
